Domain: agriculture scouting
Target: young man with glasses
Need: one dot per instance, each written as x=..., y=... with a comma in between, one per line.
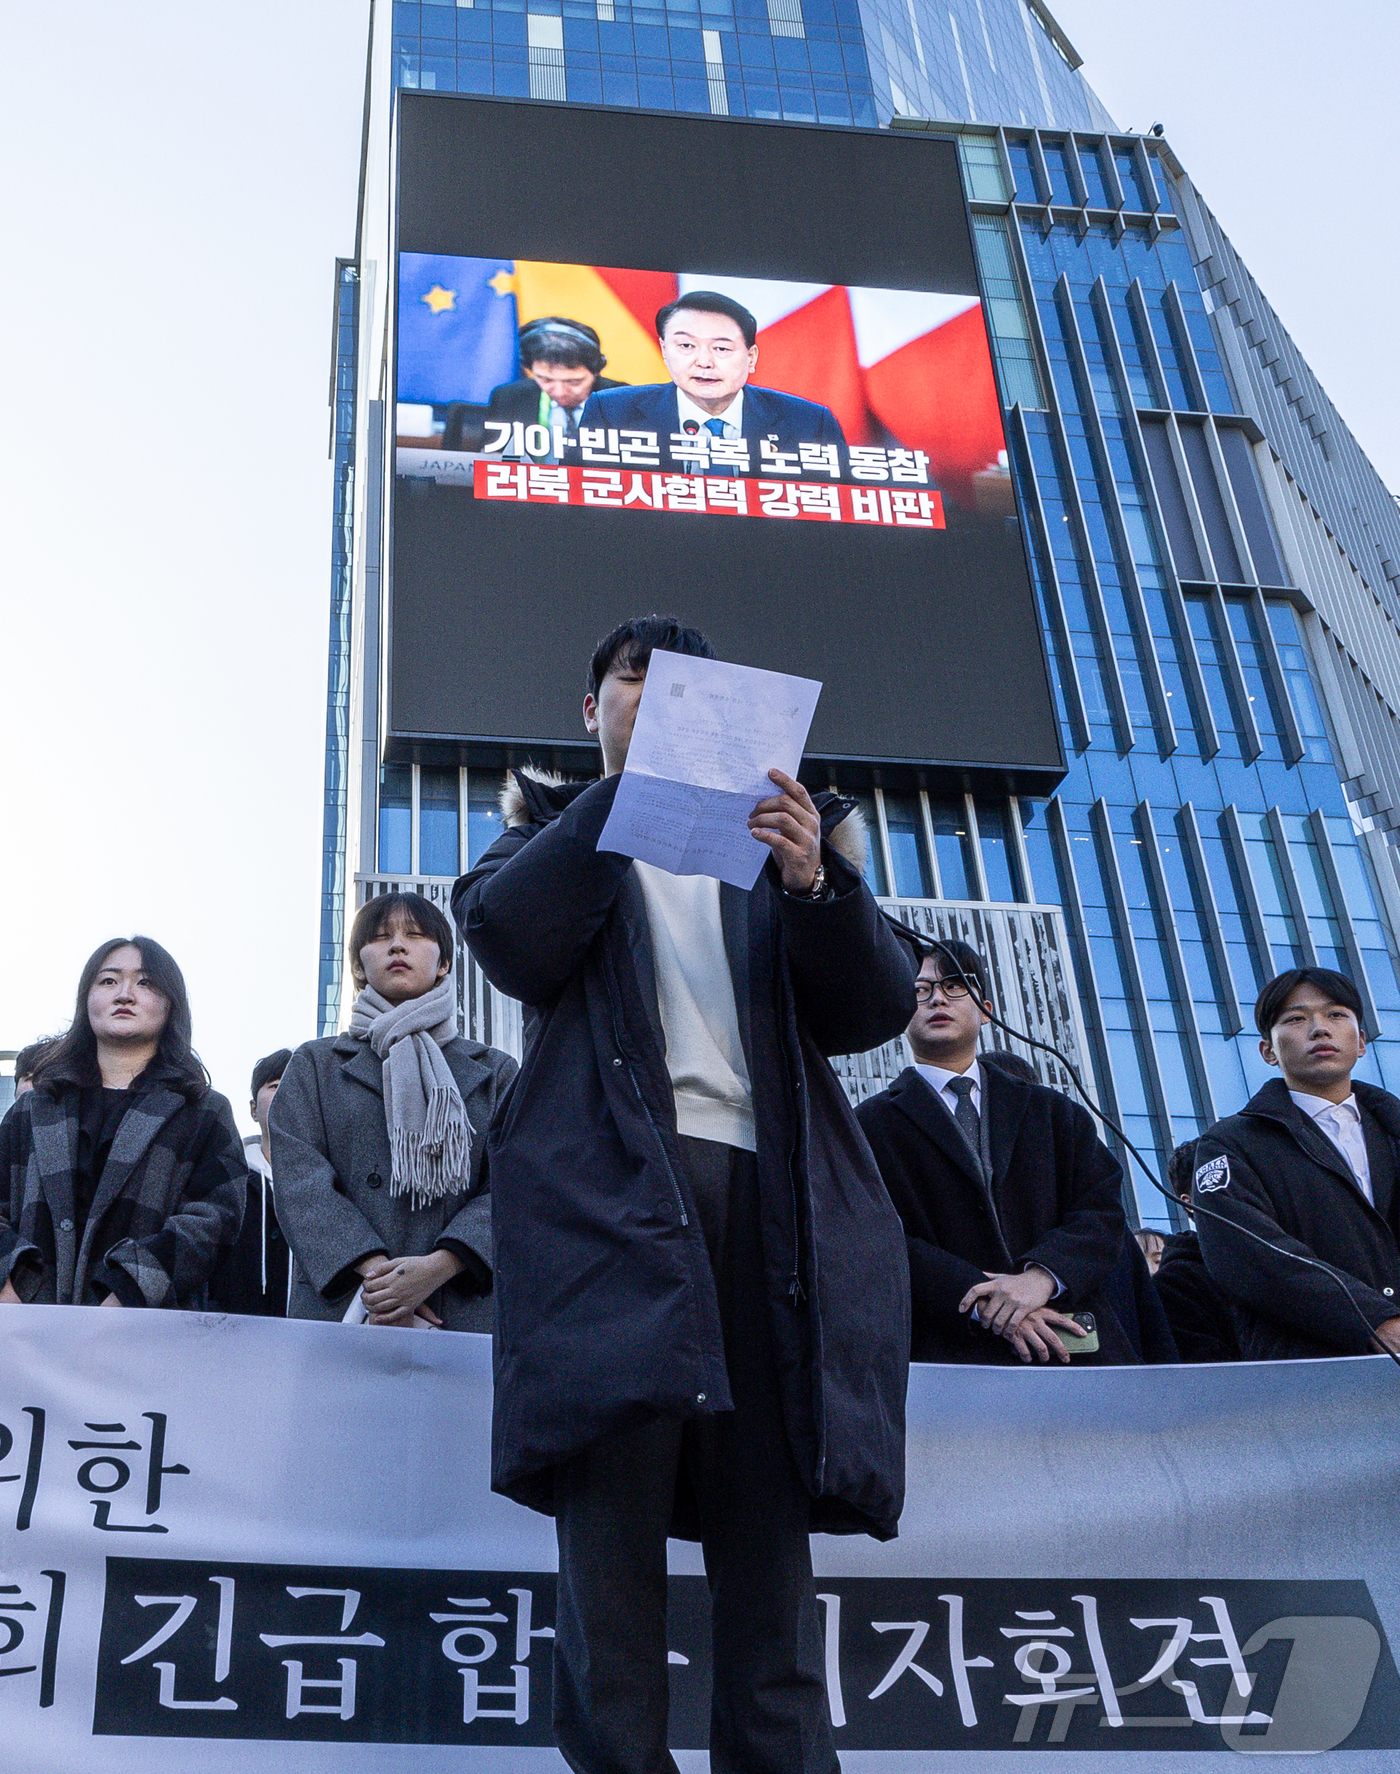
x=1012, y=1206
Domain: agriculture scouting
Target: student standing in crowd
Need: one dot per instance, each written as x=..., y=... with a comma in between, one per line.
x=1012, y=1206
x=702, y=1310
x=1309, y=1166
x=122, y=1170
x=1199, y=1314
x=378, y=1136
x=255, y=1277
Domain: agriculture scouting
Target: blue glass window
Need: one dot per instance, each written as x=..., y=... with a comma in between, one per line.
x=904, y=827
x=1057, y=165
x=395, y=819
x=438, y=789
x=953, y=842
x=1218, y=692
x=998, y=854
x=1130, y=178
x=1163, y=184
x=1266, y=868
x=1258, y=686
x=1246, y=968
x=981, y=165
x=1283, y=620
x=1316, y=894
x=484, y=821
x=1020, y=154
x=1091, y=167
x=1185, y=895
x=1045, y=883
x=1353, y=873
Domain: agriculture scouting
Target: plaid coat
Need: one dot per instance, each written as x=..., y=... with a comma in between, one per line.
x=168, y=1206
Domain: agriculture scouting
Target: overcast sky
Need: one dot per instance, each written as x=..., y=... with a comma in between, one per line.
x=178, y=181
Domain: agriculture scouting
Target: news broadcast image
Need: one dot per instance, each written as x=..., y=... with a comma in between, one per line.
x=740, y=373
x=891, y=413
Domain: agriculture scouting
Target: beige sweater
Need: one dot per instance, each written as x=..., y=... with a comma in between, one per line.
x=704, y=1054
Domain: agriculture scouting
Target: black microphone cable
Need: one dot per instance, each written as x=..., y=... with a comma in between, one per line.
x=928, y=945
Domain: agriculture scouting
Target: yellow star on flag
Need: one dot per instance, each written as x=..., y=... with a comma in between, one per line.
x=503, y=283
x=439, y=299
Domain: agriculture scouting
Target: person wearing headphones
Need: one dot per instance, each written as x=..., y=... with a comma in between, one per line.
x=561, y=364
x=1012, y=1205
x=1311, y=1168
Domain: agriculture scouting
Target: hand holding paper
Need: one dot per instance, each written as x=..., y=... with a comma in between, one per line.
x=789, y=824
x=706, y=736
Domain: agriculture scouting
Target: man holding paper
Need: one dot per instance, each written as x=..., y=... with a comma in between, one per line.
x=702, y=1299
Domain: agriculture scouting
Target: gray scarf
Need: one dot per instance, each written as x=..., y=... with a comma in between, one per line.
x=430, y=1136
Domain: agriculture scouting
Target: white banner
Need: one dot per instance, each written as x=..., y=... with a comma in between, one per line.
x=239, y=1544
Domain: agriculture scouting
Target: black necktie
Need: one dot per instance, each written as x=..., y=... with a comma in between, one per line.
x=969, y=1122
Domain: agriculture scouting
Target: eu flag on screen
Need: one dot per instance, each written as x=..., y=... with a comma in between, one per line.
x=457, y=332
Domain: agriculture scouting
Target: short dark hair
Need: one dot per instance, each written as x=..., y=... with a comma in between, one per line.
x=72, y=1058
x=269, y=1070
x=1335, y=987
x=709, y=302
x=376, y=915
x=629, y=646
x=954, y=956
x=1011, y=1063
x=1181, y=1170
x=555, y=339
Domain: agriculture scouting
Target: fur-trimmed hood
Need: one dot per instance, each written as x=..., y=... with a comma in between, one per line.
x=532, y=793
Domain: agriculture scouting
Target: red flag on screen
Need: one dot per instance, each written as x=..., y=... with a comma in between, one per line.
x=928, y=378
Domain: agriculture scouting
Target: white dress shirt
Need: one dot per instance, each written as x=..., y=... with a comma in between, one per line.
x=732, y=418
x=1341, y=1122
x=938, y=1081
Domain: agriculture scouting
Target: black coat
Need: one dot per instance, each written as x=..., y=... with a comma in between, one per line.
x=1135, y=1304
x=606, y=1304
x=1270, y=1170
x=1198, y=1313
x=166, y=1211
x=254, y=1277
x=1056, y=1200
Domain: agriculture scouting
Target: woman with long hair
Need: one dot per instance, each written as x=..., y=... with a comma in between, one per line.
x=378, y=1136
x=121, y=1172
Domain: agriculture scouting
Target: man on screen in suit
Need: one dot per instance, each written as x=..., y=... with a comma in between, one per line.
x=562, y=363
x=1012, y=1206
x=709, y=344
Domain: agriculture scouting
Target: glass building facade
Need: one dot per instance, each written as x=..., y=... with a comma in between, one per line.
x=1222, y=645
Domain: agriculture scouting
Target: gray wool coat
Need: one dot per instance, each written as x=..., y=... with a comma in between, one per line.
x=331, y=1168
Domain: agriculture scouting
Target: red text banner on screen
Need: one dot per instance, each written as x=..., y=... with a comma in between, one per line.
x=620, y=491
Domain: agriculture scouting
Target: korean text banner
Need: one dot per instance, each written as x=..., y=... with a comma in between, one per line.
x=229, y=1543
x=791, y=383
x=738, y=371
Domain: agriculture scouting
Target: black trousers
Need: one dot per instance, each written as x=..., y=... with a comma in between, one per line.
x=613, y=1504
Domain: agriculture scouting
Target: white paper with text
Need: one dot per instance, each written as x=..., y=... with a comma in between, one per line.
x=706, y=736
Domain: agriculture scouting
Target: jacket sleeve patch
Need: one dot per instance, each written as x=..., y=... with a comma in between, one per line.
x=1213, y=1176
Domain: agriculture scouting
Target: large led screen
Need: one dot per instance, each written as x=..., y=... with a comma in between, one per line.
x=766, y=341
